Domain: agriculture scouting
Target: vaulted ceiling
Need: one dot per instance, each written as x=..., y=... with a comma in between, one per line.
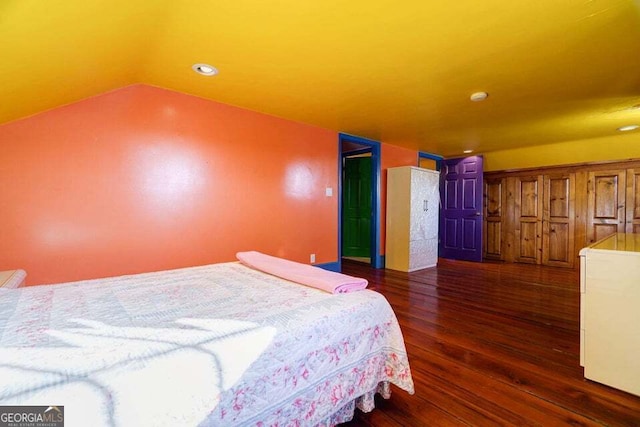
x=399, y=72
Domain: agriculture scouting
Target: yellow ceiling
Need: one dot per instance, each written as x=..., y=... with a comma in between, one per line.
x=398, y=72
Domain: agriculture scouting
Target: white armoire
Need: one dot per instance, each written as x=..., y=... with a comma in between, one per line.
x=413, y=204
x=609, y=314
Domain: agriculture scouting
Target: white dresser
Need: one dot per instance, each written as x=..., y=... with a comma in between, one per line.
x=413, y=204
x=610, y=311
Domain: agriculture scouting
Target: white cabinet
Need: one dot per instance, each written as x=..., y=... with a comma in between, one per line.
x=610, y=311
x=413, y=203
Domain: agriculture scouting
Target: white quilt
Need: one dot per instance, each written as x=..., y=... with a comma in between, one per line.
x=220, y=344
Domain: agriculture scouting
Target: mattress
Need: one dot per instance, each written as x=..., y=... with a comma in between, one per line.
x=217, y=345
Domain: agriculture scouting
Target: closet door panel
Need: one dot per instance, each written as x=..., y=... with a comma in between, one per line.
x=558, y=220
x=606, y=204
x=493, y=218
x=528, y=219
x=633, y=201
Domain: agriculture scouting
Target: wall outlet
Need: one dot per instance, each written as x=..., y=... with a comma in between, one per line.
x=312, y=258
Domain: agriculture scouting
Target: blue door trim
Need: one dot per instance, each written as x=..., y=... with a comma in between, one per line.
x=374, y=147
x=331, y=266
x=356, y=152
x=438, y=159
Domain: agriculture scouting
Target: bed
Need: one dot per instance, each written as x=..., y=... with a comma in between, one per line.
x=218, y=345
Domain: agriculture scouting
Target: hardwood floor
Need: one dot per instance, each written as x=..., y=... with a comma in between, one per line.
x=492, y=344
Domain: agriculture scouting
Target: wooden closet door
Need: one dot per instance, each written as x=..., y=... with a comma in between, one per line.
x=558, y=224
x=494, y=199
x=528, y=219
x=633, y=201
x=606, y=204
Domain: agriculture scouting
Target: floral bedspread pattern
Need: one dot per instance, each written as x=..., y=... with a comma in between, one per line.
x=220, y=344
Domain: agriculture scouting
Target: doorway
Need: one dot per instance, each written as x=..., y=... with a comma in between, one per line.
x=461, y=193
x=359, y=200
x=356, y=207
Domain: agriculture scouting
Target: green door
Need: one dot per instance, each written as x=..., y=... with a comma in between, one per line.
x=356, y=207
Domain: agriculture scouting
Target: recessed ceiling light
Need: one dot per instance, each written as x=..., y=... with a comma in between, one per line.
x=479, y=96
x=467, y=151
x=628, y=128
x=204, y=69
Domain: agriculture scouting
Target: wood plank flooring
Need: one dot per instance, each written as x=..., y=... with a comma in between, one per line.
x=492, y=344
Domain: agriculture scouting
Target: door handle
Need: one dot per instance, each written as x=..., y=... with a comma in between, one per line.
x=425, y=206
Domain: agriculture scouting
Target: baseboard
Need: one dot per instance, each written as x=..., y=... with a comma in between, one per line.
x=336, y=266
x=331, y=266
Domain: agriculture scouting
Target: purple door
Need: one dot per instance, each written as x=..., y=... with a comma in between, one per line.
x=461, y=211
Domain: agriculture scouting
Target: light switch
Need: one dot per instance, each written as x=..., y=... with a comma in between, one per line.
x=328, y=192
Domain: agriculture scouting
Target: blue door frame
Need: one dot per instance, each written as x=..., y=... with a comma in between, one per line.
x=434, y=157
x=373, y=147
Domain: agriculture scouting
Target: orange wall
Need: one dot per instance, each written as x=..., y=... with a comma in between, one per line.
x=390, y=157
x=144, y=179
